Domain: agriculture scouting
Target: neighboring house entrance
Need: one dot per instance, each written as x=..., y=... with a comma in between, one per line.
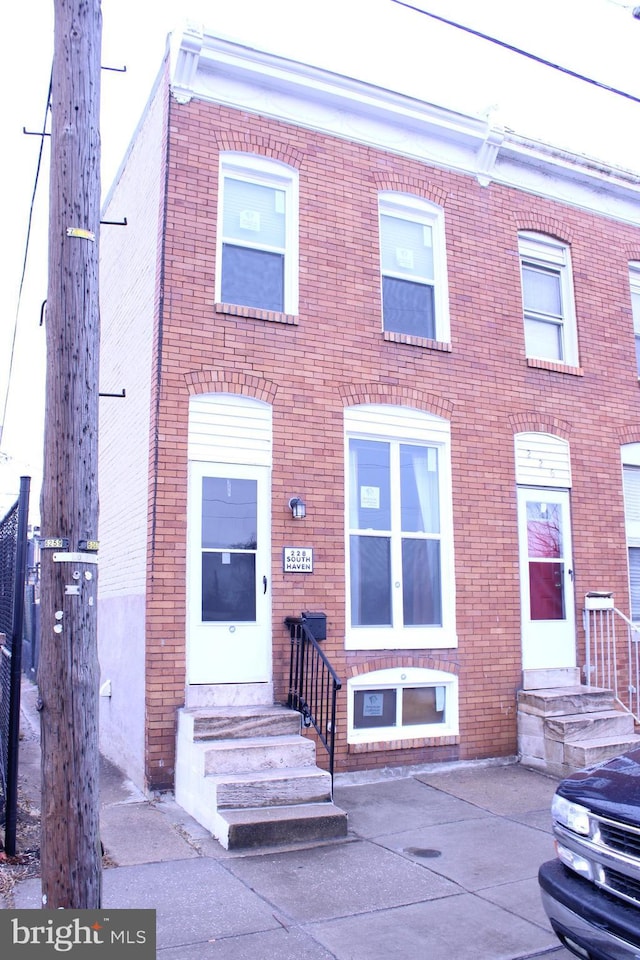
x=546, y=578
x=229, y=541
x=543, y=475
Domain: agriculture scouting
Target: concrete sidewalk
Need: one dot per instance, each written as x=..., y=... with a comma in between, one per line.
x=440, y=864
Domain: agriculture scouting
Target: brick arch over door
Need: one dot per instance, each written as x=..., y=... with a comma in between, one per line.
x=401, y=396
x=530, y=421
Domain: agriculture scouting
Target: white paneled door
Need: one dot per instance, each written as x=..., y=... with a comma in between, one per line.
x=229, y=595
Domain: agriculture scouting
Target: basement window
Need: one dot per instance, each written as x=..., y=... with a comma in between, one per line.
x=403, y=703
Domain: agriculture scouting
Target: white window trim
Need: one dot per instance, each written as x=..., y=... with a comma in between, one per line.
x=270, y=173
x=409, y=207
x=630, y=456
x=395, y=423
x=634, y=286
x=400, y=677
x=544, y=251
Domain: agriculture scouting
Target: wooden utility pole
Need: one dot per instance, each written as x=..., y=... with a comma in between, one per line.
x=68, y=673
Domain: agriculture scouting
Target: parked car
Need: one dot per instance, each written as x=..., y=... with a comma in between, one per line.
x=591, y=891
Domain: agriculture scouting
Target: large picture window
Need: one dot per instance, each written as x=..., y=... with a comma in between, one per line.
x=547, y=296
x=412, y=257
x=399, y=539
x=257, y=245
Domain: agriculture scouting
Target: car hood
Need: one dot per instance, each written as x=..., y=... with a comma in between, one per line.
x=611, y=789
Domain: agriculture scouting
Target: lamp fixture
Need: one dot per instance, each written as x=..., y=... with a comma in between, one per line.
x=298, y=508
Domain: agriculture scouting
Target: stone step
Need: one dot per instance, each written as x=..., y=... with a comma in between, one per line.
x=257, y=753
x=302, y=823
x=272, y=787
x=589, y=753
x=589, y=726
x=225, y=723
x=558, y=701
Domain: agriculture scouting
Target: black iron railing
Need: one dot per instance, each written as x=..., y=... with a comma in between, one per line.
x=13, y=552
x=313, y=685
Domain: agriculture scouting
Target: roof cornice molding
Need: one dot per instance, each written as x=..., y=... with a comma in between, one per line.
x=221, y=71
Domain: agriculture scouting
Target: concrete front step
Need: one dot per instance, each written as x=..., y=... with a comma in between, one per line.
x=614, y=724
x=589, y=753
x=301, y=785
x=238, y=723
x=562, y=701
x=561, y=730
x=248, y=775
x=306, y=823
x=258, y=753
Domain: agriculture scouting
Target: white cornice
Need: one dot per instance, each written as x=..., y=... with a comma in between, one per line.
x=220, y=71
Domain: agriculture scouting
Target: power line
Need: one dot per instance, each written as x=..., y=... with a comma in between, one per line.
x=24, y=262
x=520, y=51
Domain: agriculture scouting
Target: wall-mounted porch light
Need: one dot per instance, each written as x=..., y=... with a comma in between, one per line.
x=298, y=508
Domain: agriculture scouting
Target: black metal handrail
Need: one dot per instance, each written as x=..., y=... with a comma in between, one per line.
x=313, y=685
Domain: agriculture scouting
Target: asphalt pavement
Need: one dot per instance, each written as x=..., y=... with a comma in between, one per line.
x=440, y=862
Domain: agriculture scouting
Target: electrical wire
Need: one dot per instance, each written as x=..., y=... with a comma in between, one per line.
x=26, y=256
x=519, y=51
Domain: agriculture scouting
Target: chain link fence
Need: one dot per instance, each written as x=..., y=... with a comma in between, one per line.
x=13, y=554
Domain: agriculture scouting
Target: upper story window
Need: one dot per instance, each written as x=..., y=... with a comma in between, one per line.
x=547, y=295
x=634, y=283
x=258, y=233
x=399, y=529
x=413, y=263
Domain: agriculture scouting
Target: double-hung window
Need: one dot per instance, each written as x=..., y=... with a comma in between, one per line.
x=631, y=481
x=547, y=295
x=257, y=234
x=414, y=284
x=634, y=283
x=399, y=532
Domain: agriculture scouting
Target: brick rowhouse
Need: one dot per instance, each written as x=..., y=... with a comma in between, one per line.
x=332, y=355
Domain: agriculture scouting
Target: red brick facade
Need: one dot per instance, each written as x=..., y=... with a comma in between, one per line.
x=332, y=354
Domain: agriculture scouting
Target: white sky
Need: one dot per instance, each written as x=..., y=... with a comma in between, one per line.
x=375, y=40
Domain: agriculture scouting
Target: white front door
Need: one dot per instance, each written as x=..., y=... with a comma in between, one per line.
x=546, y=579
x=229, y=551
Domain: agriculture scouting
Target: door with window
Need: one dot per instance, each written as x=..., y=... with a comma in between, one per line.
x=546, y=579
x=229, y=566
